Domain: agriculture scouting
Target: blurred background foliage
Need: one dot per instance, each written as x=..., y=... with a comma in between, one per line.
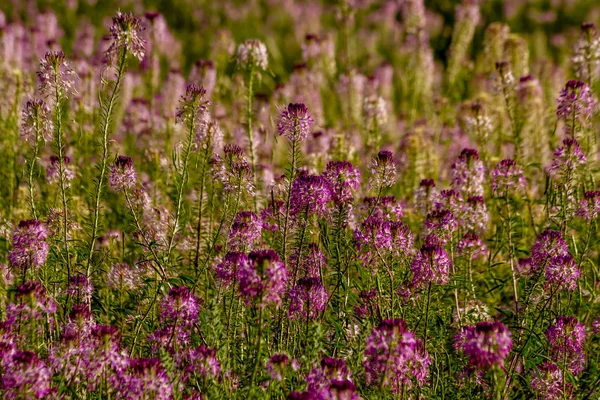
x=548, y=26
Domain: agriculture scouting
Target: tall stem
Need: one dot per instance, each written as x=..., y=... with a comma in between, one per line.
x=427, y=315
x=61, y=177
x=249, y=116
x=181, y=184
x=510, y=256
x=200, y=205
x=105, y=128
x=294, y=144
x=258, y=345
x=33, y=164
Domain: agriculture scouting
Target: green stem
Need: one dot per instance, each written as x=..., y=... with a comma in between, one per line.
x=427, y=315
x=181, y=184
x=62, y=178
x=105, y=128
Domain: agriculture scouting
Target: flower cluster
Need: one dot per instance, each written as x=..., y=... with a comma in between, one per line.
x=486, y=344
x=122, y=175
x=252, y=54
x=295, y=122
x=30, y=248
x=126, y=37
x=263, y=278
x=394, y=357
x=566, y=339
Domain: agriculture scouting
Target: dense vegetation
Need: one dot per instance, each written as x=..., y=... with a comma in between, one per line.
x=299, y=200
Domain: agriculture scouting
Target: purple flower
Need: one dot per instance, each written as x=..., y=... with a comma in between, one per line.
x=226, y=270
x=88, y=353
x=80, y=289
x=473, y=215
x=562, y=272
x=471, y=246
x=308, y=299
x=252, y=54
x=525, y=267
x=468, y=174
x=193, y=107
x=271, y=215
x=589, y=209
x=245, y=231
x=430, y=265
x=53, y=171
x=56, y=75
x=279, y=364
x=566, y=339
x=596, y=326
x=147, y=378
x=30, y=248
x=486, y=344
x=343, y=389
x=331, y=380
x=263, y=278
x=425, y=196
x=122, y=175
x=507, y=178
x=547, y=382
x=567, y=159
x=37, y=120
x=549, y=244
x=295, y=122
x=234, y=170
x=203, y=362
x=180, y=307
x=121, y=276
x=439, y=227
x=383, y=171
x=310, y=194
x=377, y=238
x=386, y=207
x=33, y=304
x=367, y=305
x=25, y=376
x=126, y=37
x=575, y=100
x=311, y=262
x=344, y=179
x=394, y=357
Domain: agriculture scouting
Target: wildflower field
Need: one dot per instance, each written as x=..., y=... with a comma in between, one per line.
x=279, y=199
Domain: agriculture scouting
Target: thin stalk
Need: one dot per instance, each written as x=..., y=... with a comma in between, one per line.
x=61, y=177
x=258, y=345
x=200, y=204
x=427, y=315
x=105, y=128
x=288, y=198
x=181, y=184
x=511, y=257
x=33, y=164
